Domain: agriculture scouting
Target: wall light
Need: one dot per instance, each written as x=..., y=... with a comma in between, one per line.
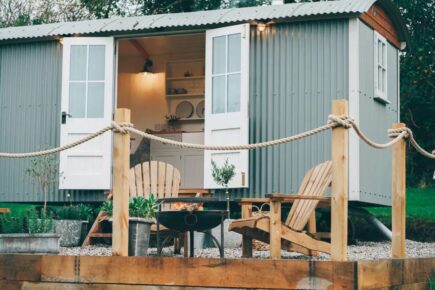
x=261, y=26
x=147, y=66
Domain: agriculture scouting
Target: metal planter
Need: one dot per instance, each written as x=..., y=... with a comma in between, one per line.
x=139, y=236
x=29, y=243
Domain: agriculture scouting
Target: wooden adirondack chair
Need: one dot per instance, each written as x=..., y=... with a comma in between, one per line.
x=289, y=235
x=156, y=177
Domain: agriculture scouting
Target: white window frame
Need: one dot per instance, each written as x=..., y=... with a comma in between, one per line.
x=381, y=95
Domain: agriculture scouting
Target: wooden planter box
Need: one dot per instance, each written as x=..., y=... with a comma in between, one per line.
x=29, y=243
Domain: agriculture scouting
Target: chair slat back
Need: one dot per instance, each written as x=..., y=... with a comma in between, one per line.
x=315, y=183
x=156, y=177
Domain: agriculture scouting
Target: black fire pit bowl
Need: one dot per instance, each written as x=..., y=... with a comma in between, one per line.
x=190, y=221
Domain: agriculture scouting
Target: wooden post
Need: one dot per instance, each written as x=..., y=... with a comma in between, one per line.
x=398, y=191
x=275, y=229
x=121, y=169
x=246, y=241
x=340, y=185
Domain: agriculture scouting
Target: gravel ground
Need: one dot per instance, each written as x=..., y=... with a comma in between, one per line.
x=360, y=251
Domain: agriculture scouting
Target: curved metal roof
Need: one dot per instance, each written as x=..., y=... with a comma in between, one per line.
x=194, y=19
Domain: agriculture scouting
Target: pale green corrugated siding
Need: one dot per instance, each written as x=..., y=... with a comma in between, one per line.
x=375, y=119
x=30, y=87
x=297, y=69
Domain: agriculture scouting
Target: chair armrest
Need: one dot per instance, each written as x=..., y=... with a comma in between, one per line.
x=292, y=197
x=253, y=200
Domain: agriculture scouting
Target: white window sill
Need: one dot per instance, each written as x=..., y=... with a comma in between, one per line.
x=382, y=100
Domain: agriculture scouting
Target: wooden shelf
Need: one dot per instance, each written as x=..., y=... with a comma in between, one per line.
x=175, y=96
x=185, y=78
x=186, y=60
x=190, y=119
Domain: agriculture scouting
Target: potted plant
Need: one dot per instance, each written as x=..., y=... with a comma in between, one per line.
x=141, y=216
x=70, y=222
x=28, y=233
x=45, y=170
x=172, y=121
x=222, y=176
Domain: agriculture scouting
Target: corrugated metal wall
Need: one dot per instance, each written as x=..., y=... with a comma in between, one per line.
x=30, y=88
x=297, y=69
x=375, y=119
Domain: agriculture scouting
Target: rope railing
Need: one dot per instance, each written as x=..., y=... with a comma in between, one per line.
x=333, y=122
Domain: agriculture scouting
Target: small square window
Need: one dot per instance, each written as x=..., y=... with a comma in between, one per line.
x=380, y=68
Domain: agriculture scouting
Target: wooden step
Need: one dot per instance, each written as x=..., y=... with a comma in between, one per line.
x=100, y=235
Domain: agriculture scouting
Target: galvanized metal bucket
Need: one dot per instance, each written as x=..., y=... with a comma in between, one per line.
x=139, y=236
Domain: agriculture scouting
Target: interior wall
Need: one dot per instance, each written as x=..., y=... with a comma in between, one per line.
x=145, y=94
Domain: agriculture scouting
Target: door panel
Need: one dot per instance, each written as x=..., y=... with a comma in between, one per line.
x=87, y=106
x=227, y=100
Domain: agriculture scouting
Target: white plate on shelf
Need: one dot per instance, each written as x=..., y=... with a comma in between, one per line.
x=184, y=110
x=200, y=109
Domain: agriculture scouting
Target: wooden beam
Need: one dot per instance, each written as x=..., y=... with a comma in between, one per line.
x=246, y=241
x=340, y=184
x=198, y=272
x=398, y=191
x=275, y=229
x=140, y=49
x=121, y=182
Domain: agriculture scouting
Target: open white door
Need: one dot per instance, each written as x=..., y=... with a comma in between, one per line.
x=87, y=106
x=227, y=100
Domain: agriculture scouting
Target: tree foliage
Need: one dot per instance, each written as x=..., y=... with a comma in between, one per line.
x=417, y=63
x=417, y=86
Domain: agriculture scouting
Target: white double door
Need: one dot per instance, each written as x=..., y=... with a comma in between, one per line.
x=88, y=103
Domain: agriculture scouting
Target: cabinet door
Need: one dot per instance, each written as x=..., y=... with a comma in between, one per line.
x=172, y=158
x=193, y=170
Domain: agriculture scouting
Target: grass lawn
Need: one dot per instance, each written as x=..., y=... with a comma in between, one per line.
x=420, y=204
x=20, y=208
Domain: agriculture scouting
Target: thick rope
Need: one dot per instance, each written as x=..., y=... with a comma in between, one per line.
x=57, y=149
x=233, y=147
x=333, y=122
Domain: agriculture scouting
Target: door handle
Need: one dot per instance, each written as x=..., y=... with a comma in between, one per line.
x=64, y=115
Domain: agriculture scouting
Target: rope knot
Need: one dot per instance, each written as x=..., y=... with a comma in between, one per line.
x=121, y=127
x=343, y=121
x=394, y=133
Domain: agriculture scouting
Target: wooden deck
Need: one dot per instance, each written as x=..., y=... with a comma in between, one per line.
x=131, y=273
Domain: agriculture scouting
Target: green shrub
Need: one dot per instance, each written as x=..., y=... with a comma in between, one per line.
x=138, y=207
x=107, y=207
x=39, y=224
x=13, y=223
x=75, y=212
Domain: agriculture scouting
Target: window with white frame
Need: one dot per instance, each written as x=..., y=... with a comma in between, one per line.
x=380, y=54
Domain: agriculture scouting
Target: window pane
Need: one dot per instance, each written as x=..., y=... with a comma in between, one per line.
x=384, y=55
x=379, y=78
x=234, y=50
x=95, y=100
x=78, y=59
x=77, y=100
x=218, y=94
x=96, y=63
x=384, y=81
x=219, y=54
x=379, y=52
x=234, y=93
